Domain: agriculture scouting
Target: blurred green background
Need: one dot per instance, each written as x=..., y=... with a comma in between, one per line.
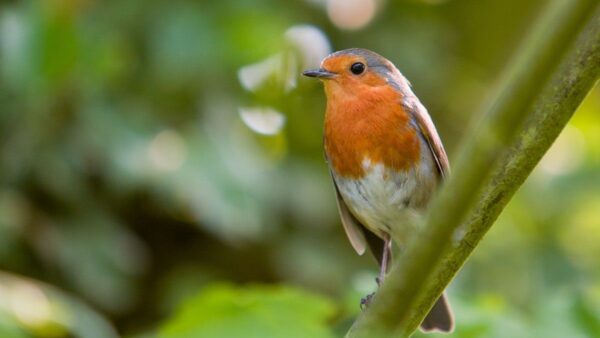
x=161, y=170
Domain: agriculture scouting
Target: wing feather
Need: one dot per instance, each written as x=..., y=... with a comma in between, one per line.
x=430, y=134
x=351, y=225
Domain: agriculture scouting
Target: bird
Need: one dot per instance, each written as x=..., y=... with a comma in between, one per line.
x=385, y=157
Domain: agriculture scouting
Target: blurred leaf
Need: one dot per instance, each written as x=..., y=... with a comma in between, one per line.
x=256, y=311
x=32, y=309
x=587, y=316
x=93, y=250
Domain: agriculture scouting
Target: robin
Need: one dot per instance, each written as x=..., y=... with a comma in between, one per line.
x=385, y=157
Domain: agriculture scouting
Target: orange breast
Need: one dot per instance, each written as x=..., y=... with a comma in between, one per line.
x=371, y=125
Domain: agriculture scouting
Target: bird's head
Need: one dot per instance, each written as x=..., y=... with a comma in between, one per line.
x=357, y=72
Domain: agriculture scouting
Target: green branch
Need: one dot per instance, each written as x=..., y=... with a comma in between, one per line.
x=547, y=82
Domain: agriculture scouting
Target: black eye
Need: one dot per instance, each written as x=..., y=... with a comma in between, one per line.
x=357, y=68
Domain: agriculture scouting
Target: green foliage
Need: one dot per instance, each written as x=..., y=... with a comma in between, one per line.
x=489, y=316
x=256, y=311
x=29, y=309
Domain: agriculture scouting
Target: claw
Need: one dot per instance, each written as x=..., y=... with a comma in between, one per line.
x=366, y=300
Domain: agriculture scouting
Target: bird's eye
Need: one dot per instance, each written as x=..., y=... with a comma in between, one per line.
x=357, y=68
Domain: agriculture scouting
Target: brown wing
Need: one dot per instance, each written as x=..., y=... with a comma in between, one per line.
x=433, y=139
x=351, y=225
x=357, y=233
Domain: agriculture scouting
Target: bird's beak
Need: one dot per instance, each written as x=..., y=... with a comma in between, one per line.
x=318, y=73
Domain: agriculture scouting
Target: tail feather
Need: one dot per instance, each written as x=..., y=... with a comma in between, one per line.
x=439, y=318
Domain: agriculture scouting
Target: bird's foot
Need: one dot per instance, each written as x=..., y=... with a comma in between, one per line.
x=366, y=300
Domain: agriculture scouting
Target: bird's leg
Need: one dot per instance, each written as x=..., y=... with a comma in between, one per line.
x=387, y=249
x=385, y=260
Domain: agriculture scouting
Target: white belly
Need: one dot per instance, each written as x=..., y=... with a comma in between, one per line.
x=388, y=201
